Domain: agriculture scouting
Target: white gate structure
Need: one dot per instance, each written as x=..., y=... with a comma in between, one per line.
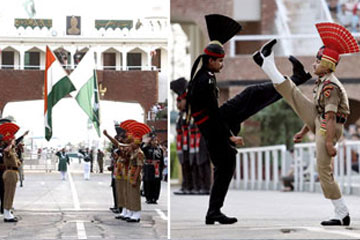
x=261, y=168
x=342, y=165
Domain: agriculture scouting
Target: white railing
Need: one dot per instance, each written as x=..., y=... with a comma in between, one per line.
x=293, y=41
x=259, y=168
x=325, y=12
x=45, y=162
x=70, y=67
x=343, y=172
x=293, y=37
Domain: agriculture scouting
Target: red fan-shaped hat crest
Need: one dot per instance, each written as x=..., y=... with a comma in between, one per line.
x=8, y=130
x=337, y=40
x=138, y=129
x=126, y=123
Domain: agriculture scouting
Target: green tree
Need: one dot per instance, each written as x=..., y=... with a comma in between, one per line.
x=279, y=123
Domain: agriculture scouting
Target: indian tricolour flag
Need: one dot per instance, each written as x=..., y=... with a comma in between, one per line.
x=56, y=86
x=86, y=94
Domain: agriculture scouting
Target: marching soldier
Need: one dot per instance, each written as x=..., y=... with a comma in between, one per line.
x=220, y=125
x=12, y=163
x=326, y=114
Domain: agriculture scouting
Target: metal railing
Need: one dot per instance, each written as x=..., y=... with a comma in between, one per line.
x=343, y=173
x=45, y=162
x=71, y=67
x=259, y=168
x=293, y=37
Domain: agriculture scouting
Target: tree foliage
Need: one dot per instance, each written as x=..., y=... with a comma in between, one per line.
x=279, y=123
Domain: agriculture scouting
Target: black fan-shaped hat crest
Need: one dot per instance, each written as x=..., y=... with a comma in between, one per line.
x=179, y=85
x=221, y=28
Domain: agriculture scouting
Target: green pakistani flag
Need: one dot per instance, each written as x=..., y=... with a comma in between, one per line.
x=86, y=94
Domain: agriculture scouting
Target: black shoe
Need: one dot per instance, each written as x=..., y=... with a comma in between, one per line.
x=266, y=50
x=299, y=74
x=133, y=220
x=11, y=220
x=180, y=192
x=221, y=218
x=120, y=217
x=204, y=192
x=336, y=222
x=114, y=209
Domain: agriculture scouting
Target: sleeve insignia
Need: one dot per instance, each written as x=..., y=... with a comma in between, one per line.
x=327, y=93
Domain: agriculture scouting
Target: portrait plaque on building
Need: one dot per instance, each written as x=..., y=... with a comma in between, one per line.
x=73, y=25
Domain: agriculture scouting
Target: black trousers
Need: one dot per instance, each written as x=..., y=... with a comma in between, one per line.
x=204, y=176
x=113, y=187
x=152, y=189
x=187, y=183
x=233, y=112
x=2, y=191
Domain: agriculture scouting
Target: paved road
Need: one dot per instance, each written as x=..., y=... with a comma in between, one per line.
x=50, y=208
x=262, y=215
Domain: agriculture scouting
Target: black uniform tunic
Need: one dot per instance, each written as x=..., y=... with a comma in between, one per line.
x=218, y=124
x=152, y=169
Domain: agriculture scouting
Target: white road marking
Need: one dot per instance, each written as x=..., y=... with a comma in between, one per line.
x=161, y=214
x=74, y=193
x=80, y=227
x=344, y=232
x=340, y=232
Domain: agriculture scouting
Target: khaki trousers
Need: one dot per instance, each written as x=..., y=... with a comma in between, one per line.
x=306, y=110
x=10, y=178
x=121, y=192
x=133, y=198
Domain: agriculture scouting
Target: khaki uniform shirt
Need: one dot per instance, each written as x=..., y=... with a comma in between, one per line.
x=330, y=96
x=11, y=159
x=136, y=160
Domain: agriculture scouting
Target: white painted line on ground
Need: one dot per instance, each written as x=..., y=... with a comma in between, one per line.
x=74, y=192
x=80, y=227
x=344, y=232
x=161, y=214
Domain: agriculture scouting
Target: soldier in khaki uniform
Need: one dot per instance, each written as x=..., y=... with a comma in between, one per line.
x=120, y=170
x=136, y=162
x=326, y=114
x=12, y=164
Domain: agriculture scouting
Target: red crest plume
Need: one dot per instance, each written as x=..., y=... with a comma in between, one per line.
x=8, y=130
x=338, y=38
x=138, y=129
x=126, y=123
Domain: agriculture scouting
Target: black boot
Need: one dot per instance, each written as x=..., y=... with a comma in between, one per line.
x=336, y=222
x=299, y=74
x=221, y=218
x=265, y=51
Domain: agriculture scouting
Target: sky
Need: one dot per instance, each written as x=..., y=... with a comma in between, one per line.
x=70, y=123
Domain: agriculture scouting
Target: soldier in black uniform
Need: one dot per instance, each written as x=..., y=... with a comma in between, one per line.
x=182, y=137
x=152, y=169
x=199, y=161
x=220, y=125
